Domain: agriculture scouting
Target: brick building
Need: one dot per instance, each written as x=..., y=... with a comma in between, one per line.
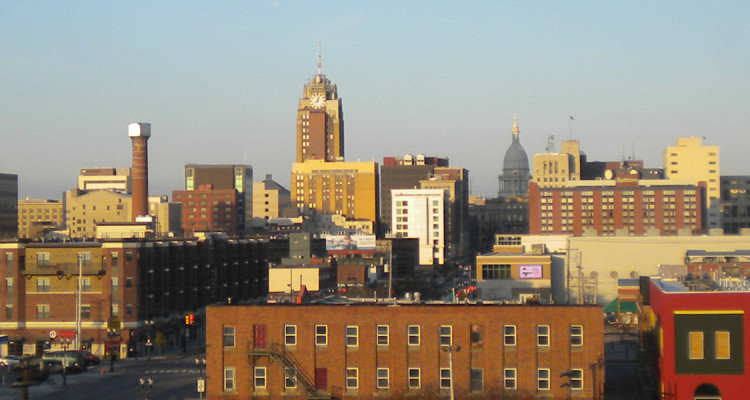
x=626, y=206
x=130, y=280
x=208, y=210
x=397, y=351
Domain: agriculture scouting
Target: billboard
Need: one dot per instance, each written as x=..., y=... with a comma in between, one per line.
x=530, y=271
x=350, y=242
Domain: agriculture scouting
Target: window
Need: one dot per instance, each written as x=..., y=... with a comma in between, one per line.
x=8, y=312
x=85, y=259
x=115, y=256
x=42, y=284
x=9, y=261
x=8, y=285
x=128, y=256
x=228, y=336
x=85, y=284
x=321, y=335
x=446, y=335
x=85, y=311
x=476, y=336
x=542, y=335
x=229, y=375
x=352, y=336
x=495, y=271
x=542, y=379
x=509, y=335
x=413, y=335
x=128, y=282
x=415, y=378
x=290, y=335
x=42, y=259
x=383, y=378
x=290, y=378
x=475, y=380
x=259, y=378
x=445, y=378
x=695, y=351
x=129, y=309
x=352, y=379
x=576, y=335
x=722, y=345
x=509, y=380
x=382, y=332
x=576, y=379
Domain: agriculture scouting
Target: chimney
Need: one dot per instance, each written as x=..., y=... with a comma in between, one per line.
x=139, y=133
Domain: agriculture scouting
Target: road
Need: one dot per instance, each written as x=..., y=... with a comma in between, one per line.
x=174, y=378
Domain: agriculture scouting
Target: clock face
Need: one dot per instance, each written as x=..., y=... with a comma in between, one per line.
x=317, y=100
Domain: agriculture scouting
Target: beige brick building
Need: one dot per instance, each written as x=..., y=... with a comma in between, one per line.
x=37, y=216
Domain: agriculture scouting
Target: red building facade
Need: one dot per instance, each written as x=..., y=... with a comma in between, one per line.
x=699, y=341
x=605, y=210
x=208, y=209
x=404, y=351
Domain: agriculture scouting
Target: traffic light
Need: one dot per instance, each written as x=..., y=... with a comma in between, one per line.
x=189, y=319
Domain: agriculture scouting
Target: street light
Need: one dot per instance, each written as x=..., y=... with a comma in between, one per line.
x=146, y=385
x=201, y=365
x=65, y=342
x=149, y=323
x=450, y=350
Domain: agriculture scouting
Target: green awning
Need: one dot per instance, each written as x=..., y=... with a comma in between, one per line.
x=621, y=306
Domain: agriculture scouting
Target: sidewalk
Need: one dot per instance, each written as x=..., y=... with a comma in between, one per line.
x=55, y=382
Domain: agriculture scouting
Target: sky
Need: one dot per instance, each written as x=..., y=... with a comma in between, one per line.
x=219, y=81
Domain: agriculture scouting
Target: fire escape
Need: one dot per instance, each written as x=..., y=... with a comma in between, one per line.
x=286, y=361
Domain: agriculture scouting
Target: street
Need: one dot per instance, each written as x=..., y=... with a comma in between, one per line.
x=173, y=377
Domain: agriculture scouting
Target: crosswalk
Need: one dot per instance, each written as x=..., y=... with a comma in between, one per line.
x=171, y=371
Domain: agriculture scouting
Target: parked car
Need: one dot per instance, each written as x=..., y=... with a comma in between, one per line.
x=9, y=360
x=91, y=358
x=73, y=360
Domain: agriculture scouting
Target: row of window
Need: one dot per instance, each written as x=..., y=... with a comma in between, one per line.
x=413, y=335
x=43, y=311
x=414, y=379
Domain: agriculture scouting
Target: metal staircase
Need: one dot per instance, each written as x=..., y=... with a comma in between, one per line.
x=278, y=354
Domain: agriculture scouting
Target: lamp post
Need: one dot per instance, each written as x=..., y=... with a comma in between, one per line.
x=149, y=344
x=146, y=386
x=201, y=365
x=65, y=342
x=450, y=350
x=77, y=343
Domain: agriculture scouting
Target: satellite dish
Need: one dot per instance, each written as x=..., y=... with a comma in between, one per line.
x=608, y=174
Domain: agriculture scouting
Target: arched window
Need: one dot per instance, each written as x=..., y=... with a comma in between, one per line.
x=707, y=391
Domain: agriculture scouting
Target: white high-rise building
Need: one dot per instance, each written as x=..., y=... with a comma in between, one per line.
x=421, y=213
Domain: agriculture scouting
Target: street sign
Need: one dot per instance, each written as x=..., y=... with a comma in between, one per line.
x=201, y=385
x=52, y=334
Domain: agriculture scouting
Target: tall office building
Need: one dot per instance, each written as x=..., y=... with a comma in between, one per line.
x=556, y=169
x=8, y=206
x=421, y=213
x=403, y=173
x=735, y=203
x=320, y=121
x=514, y=181
x=223, y=177
x=270, y=200
x=691, y=161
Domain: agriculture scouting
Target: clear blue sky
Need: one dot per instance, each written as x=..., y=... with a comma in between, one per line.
x=219, y=81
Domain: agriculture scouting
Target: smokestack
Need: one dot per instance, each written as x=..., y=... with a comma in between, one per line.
x=139, y=132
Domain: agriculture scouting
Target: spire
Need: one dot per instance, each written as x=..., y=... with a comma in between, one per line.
x=515, y=128
x=320, y=60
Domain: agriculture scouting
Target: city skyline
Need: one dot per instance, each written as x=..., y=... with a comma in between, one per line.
x=220, y=84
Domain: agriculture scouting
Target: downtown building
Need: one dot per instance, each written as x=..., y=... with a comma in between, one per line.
x=623, y=206
x=132, y=290
x=396, y=351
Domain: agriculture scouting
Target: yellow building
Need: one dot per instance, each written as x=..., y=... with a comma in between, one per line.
x=511, y=274
x=344, y=188
x=37, y=216
x=269, y=200
x=556, y=169
x=84, y=209
x=691, y=161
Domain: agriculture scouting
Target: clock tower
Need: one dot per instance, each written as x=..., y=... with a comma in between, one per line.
x=320, y=121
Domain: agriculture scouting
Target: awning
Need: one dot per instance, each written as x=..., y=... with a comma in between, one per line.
x=617, y=306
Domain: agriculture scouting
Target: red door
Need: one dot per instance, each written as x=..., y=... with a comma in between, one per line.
x=321, y=378
x=259, y=336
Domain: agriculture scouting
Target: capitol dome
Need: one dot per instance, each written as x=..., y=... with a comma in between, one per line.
x=514, y=180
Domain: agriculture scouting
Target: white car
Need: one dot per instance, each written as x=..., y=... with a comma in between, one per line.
x=8, y=360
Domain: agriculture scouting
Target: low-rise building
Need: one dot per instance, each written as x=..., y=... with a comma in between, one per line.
x=400, y=351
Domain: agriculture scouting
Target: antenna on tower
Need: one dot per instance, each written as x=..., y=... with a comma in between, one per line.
x=550, y=143
x=320, y=60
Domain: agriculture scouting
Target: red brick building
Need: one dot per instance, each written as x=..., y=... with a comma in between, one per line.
x=699, y=341
x=208, y=210
x=629, y=205
x=397, y=351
